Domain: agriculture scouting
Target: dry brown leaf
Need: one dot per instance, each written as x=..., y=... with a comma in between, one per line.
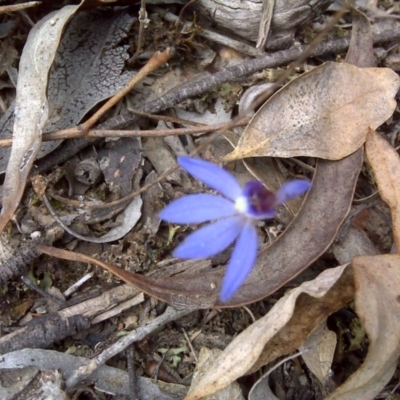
x=377, y=282
x=282, y=330
x=385, y=163
x=319, y=350
x=31, y=109
x=324, y=113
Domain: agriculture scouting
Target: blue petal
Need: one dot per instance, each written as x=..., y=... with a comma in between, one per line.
x=211, y=239
x=292, y=189
x=212, y=175
x=197, y=208
x=241, y=263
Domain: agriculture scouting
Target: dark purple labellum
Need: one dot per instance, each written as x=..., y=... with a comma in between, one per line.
x=260, y=199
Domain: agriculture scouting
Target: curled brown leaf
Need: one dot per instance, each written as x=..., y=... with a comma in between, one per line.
x=324, y=113
x=31, y=109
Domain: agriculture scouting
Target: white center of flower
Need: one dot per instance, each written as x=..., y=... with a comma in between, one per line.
x=241, y=204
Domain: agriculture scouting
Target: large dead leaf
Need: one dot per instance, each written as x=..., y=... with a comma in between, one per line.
x=377, y=282
x=31, y=109
x=282, y=330
x=324, y=113
x=385, y=163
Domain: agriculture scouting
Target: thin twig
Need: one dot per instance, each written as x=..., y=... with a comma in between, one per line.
x=366, y=199
x=288, y=358
x=19, y=7
x=159, y=365
x=352, y=214
x=73, y=288
x=117, y=310
x=166, y=118
x=187, y=5
x=189, y=342
x=303, y=164
x=73, y=133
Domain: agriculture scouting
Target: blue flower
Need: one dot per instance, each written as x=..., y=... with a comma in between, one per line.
x=234, y=215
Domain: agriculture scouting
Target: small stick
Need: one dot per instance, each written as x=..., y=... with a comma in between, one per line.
x=73, y=133
x=288, y=358
x=77, y=284
x=166, y=118
x=214, y=36
x=19, y=7
x=189, y=342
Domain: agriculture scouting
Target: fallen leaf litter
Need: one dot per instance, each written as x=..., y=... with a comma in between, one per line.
x=324, y=110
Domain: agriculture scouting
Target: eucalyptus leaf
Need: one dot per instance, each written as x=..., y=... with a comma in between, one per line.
x=31, y=105
x=326, y=112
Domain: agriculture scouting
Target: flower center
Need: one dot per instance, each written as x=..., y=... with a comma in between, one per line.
x=256, y=199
